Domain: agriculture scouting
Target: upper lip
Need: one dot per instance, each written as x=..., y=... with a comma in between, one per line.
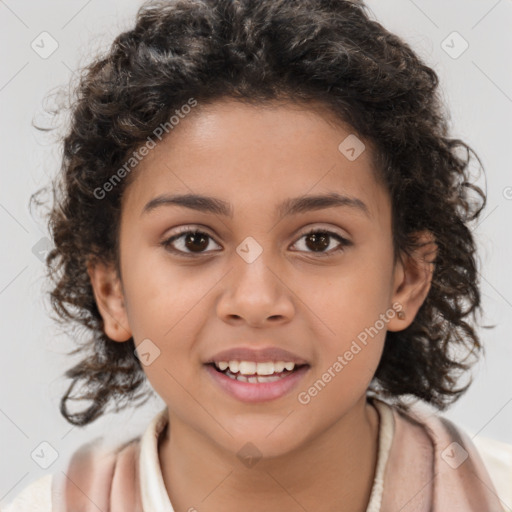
x=256, y=355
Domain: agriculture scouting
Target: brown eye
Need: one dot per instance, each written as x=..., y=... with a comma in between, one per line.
x=188, y=242
x=317, y=241
x=196, y=242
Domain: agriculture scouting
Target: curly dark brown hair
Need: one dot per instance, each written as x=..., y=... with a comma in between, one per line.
x=326, y=51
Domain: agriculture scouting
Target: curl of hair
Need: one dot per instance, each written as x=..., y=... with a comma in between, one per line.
x=317, y=52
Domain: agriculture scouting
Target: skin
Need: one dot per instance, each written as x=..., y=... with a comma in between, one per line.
x=318, y=456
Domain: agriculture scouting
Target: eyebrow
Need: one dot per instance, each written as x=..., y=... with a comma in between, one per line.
x=288, y=207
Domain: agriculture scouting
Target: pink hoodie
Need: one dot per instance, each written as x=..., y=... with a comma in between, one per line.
x=426, y=464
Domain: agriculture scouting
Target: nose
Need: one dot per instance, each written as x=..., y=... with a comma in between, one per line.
x=256, y=293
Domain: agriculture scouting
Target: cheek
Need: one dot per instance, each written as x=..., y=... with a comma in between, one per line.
x=349, y=299
x=351, y=310
x=346, y=366
x=166, y=309
x=160, y=294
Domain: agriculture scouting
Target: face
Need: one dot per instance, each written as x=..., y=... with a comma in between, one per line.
x=251, y=269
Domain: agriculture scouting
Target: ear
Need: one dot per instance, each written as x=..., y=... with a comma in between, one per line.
x=412, y=280
x=109, y=297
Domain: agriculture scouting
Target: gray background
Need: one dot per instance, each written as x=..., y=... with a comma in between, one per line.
x=477, y=86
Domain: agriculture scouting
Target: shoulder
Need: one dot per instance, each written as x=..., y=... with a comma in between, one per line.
x=91, y=472
x=36, y=497
x=455, y=448
x=99, y=472
x=103, y=470
x=497, y=458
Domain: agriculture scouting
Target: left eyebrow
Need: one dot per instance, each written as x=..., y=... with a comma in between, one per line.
x=291, y=206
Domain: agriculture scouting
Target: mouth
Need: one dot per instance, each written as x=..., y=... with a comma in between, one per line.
x=256, y=372
x=260, y=381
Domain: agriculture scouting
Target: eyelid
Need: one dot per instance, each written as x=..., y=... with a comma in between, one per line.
x=301, y=232
x=330, y=229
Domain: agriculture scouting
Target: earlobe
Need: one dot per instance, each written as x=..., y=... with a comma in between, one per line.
x=413, y=278
x=109, y=298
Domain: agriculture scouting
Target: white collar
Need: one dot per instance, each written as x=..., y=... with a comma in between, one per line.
x=152, y=487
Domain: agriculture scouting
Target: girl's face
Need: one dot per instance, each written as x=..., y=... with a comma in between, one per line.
x=253, y=278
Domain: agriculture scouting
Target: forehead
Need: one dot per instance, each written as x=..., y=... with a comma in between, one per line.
x=259, y=155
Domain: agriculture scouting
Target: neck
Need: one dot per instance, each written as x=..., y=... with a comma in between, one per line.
x=334, y=471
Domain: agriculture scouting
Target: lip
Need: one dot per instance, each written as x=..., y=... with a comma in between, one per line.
x=258, y=391
x=257, y=355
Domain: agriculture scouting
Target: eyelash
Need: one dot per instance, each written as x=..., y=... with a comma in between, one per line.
x=185, y=231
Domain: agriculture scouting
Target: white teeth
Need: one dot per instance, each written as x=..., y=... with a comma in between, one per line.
x=264, y=368
x=253, y=380
x=253, y=368
x=273, y=378
x=279, y=366
x=247, y=368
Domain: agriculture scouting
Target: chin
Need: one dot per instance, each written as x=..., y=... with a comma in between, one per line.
x=264, y=439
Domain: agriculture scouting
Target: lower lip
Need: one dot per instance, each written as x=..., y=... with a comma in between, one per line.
x=258, y=391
